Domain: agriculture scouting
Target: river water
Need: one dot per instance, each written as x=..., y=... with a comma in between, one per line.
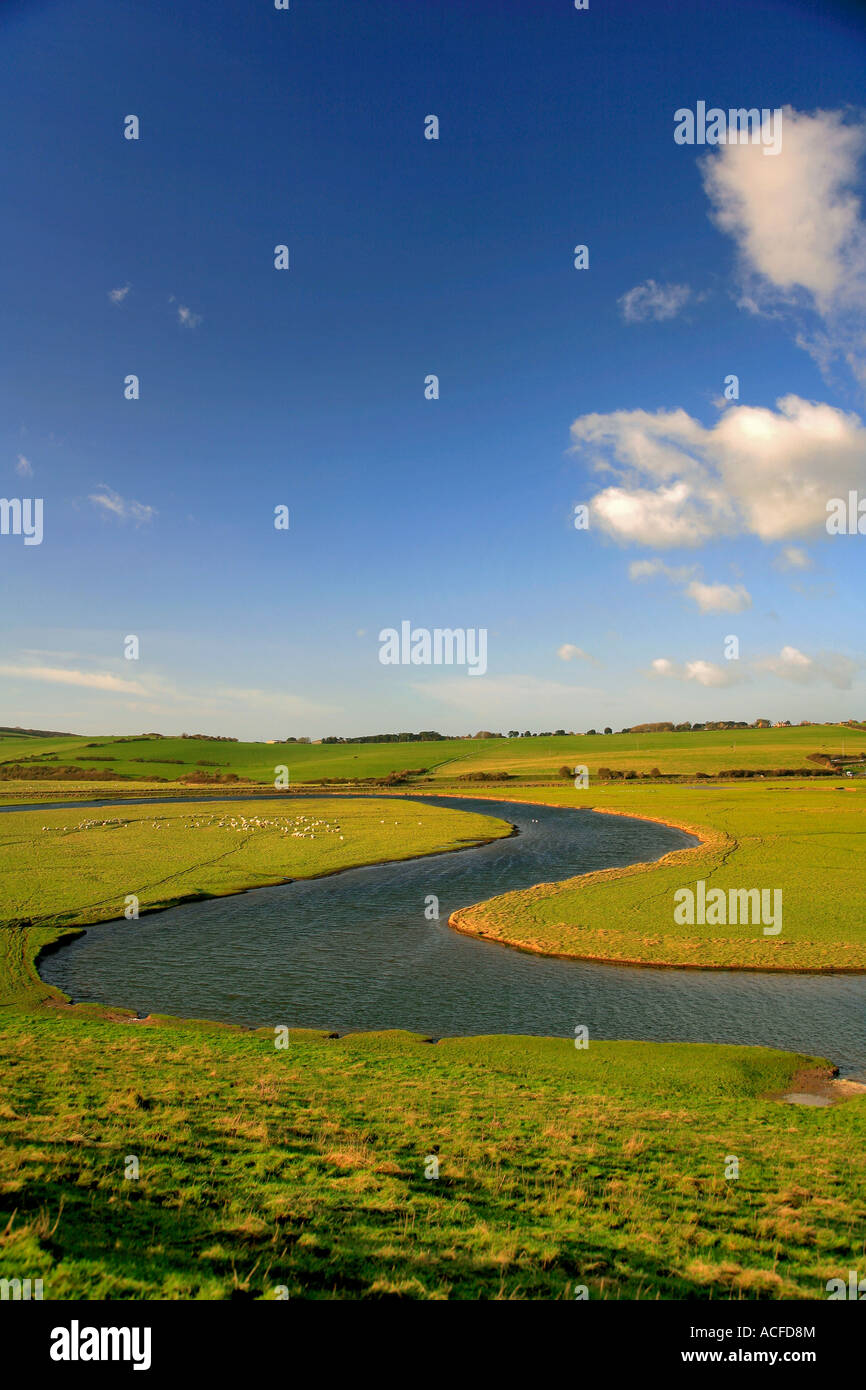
x=355, y=951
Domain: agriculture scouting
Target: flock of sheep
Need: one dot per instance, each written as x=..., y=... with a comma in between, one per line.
x=301, y=827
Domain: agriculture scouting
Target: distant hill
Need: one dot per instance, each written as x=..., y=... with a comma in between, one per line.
x=809, y=750
x=18, y=732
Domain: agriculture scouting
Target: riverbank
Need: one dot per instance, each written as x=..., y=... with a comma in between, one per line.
x=799, y=837
x=64, y=868
x=308, y=1169
x=802, y=838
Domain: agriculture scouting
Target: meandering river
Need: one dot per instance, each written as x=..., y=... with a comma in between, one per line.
x=355, y=951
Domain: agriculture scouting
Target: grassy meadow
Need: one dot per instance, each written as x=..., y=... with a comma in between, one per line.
x=266, y=1172
x=803, y=837
x=62, y=868
x=300, y=1171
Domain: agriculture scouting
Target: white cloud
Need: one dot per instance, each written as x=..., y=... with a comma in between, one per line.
x=647, y=569
x=668, y=517
x=279, y=701
x=110, y=501
x=24, y=468
x=568, y=652
x=118, y=296
x=793, y=558
x=756, y=471
x=794, y=665
x=710, y=598
x=797, y=224
x=709, y=673
x=91, y=680
x=187, y=317
x=704, y=672
x=653, y=301
x=719, y=598
x=790, y=664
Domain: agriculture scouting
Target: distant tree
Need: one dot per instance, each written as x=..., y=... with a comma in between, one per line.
x=527, y=733
x=559, y=733
x=608, y=730
x=566, y=772
x=590, y=731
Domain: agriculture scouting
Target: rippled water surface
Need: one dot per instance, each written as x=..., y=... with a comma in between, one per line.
x=355, y=951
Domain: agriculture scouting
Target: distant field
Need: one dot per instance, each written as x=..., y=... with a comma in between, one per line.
x=805, y=838
x=526, y=759
x=705, y=751
x=15, y=749
x=177, y=757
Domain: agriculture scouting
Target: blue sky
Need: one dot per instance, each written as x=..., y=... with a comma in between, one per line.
x=409, y=257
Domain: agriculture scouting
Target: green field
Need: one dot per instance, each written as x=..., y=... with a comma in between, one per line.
x=62, y=868
x=303, y=1170
x=683, y=754
x=805, y=838
x=264, y=1171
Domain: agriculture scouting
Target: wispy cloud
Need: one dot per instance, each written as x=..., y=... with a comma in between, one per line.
x=118, y=296
x=508, y=700
x=186, y=316
x=274, y=701
x=24, y=468
x=830, y=668
x=157, y=695
x=793, y=558
x=653, y=301
x=89, y=680
x=647, y=569
x=710, y=598
x=719, y=598
x=111, y=502
x=569, y=652
x=790, y=664
x=707, y=673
